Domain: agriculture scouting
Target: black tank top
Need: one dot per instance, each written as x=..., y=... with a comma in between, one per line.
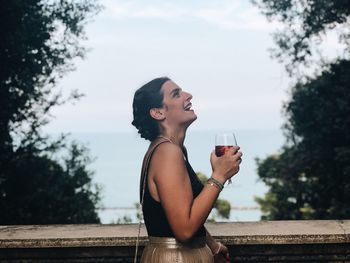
x=155, y=219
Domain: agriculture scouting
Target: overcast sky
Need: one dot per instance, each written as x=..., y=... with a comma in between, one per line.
x=216, y=50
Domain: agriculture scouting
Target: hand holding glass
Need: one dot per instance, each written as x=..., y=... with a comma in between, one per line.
x=224, y=142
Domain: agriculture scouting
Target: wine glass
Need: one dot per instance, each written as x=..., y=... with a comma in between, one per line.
x=224, y=142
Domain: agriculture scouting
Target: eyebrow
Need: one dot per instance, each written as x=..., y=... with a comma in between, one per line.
x=172, y=93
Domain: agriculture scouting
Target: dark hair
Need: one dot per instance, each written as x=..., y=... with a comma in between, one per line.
x=147, y=97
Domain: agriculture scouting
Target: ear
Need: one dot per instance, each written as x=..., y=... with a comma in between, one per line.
x=157, y=113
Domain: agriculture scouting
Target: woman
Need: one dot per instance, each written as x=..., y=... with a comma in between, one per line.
x=174, y=202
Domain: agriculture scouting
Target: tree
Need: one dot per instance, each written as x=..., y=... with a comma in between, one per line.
x=309, y=177
x=306, y=24
x=39, y=40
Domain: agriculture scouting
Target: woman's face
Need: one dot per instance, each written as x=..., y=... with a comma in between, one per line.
x=177, y=104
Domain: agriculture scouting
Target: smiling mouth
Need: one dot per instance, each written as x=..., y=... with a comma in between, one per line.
x=188, y=107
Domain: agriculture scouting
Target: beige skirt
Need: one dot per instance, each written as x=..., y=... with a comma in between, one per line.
x=165, y=249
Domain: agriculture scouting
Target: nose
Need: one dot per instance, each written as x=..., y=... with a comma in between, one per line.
x=188, y=95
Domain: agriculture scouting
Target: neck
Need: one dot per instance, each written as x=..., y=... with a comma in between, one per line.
x=177, y=137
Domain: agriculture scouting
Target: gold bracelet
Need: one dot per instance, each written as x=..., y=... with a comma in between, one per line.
x=213, y=184
x=217, y=183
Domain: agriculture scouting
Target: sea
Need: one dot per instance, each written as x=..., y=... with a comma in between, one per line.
x=117, y=165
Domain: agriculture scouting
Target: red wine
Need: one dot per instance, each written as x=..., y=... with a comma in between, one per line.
x=220, y=150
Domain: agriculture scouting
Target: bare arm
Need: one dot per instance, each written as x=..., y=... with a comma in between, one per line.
x=219, y=251
x=186, y=214
x=211, y=242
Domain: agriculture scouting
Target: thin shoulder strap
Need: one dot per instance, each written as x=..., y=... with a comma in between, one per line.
x=143, y=180
x=145, y=166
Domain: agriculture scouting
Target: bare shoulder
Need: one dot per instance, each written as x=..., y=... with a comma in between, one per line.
x=168, y=168
x=168, y=150
x=167, y=156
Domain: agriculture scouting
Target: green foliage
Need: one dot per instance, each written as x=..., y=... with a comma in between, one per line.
x=223, y=207
x=311, y=177
x=268, y=206
x=123, y=220
x=202, y=177
x=39, y=40
x=40, y=190
x=305, y=23
x=139, y=214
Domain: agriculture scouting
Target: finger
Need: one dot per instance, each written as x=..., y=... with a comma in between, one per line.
x=233, y=150
x=224, y=249
x=238, y=155
x=213, y=155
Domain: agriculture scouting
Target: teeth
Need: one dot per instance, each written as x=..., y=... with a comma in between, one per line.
x=188, y=107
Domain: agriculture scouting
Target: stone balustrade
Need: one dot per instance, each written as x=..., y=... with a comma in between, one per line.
x=265, y=241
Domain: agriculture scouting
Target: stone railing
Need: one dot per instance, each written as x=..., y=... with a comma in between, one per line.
x=270, y=241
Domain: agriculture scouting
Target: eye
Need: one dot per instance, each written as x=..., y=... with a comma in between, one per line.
x=176, y=93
